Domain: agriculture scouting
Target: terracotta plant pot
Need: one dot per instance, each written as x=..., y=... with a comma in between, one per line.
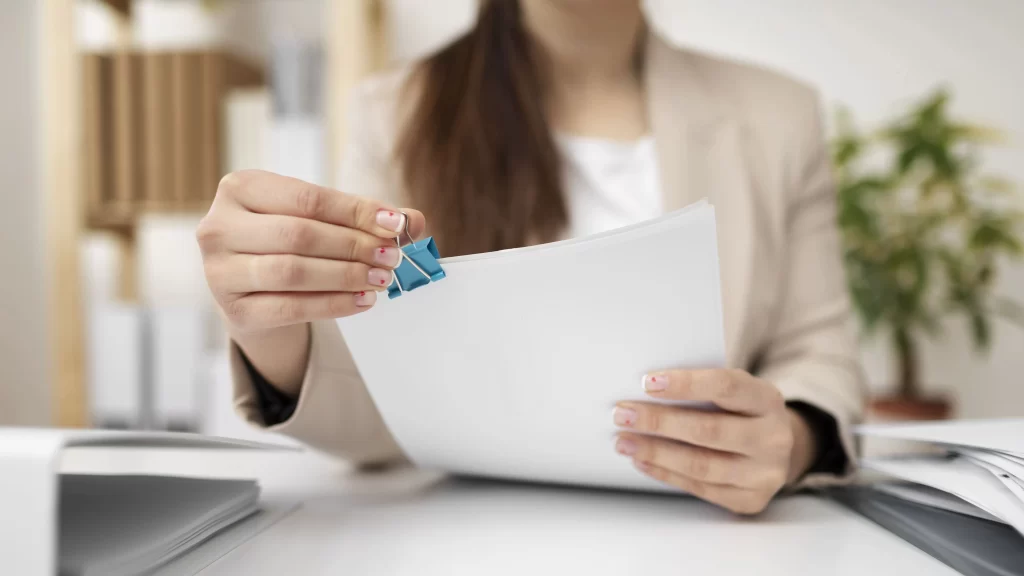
x=912, y=409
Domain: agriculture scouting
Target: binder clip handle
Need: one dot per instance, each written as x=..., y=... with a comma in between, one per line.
x=418, y=264
x=404, y=230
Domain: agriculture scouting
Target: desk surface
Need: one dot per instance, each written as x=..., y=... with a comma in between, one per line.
x=414, y=522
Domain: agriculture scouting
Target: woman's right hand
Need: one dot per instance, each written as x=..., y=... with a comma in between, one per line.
x=279, y=252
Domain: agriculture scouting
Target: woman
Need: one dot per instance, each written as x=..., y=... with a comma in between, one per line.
x=552, y=119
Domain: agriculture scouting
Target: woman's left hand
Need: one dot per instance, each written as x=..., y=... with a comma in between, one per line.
x=738, y=459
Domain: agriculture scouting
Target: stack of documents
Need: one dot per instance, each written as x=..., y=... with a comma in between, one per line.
x=964, y=504
x=113, y=525
x=983, y=465
x=511, y=365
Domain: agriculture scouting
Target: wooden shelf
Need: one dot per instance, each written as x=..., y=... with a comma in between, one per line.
x=121, y=218
x=122, y=6
x=357, y=39
x=153, y=131
x=62, y=121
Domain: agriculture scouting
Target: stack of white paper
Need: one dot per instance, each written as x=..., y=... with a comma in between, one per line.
x=511, y=365
x=114, y=525
x=984, y=467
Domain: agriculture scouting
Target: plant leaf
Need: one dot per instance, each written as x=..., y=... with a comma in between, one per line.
x=981, y=330
x=995, y=233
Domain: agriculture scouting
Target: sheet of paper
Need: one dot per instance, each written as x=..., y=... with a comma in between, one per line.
x=934, y=498
x=1007, y=465
x=510, y=367
x=1000, y=435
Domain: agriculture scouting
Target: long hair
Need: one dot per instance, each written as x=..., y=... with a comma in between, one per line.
x=476, y=152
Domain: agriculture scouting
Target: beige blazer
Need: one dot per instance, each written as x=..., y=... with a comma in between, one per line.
x=750, y=141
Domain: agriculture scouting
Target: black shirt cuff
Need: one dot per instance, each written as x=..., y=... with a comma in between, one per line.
x=831, y=457
x=274, y=406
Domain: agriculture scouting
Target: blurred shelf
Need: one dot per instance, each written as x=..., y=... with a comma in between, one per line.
x=123, y=218
x=153, y=130
x=62, y=121
x=121, y=6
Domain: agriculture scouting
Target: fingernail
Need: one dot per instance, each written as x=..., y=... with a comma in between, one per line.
x=378, y=277
x=625, y=446
x=624, y=416
x=365, y=299
x=642, y=466
x=387, y=256
x=390, y=219
x=655, y=383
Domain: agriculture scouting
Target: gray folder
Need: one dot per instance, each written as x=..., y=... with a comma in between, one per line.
x=971, y=545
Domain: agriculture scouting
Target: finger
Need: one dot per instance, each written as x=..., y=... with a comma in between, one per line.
x=245, y=273
x=715, y=430
x=263, y=310
x=268, y=193
x=695, y=462
x=276, y=234
x=732, y=390
x=738, y=500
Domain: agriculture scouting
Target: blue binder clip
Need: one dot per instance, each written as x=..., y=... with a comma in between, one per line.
x=418, y=267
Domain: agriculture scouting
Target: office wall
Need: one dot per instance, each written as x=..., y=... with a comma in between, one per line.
x=24, y=383
x=876, y=57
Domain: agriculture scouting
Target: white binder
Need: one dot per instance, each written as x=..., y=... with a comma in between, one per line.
x=30, y=478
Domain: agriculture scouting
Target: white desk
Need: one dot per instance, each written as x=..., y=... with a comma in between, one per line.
x=417, y=523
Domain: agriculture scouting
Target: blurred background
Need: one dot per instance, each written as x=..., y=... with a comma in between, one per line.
x=120, y=116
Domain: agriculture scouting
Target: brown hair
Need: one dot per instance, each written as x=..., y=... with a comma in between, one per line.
x=476, y=152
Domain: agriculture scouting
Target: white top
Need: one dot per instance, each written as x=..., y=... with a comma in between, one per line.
x=609, y=183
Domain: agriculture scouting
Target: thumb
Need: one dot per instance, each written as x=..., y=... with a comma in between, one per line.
x=417, y=223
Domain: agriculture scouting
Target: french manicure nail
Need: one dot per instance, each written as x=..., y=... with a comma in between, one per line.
x=378, y=277
x=624, y=416
x=386, y=256
x=390, y=219
x=365, y=299
x=655, y=383
x=625, y=446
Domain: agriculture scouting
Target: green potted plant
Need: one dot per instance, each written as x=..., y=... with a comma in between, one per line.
x=923, y=234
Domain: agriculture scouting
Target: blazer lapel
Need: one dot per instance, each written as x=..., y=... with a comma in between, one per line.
x=701, y=155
